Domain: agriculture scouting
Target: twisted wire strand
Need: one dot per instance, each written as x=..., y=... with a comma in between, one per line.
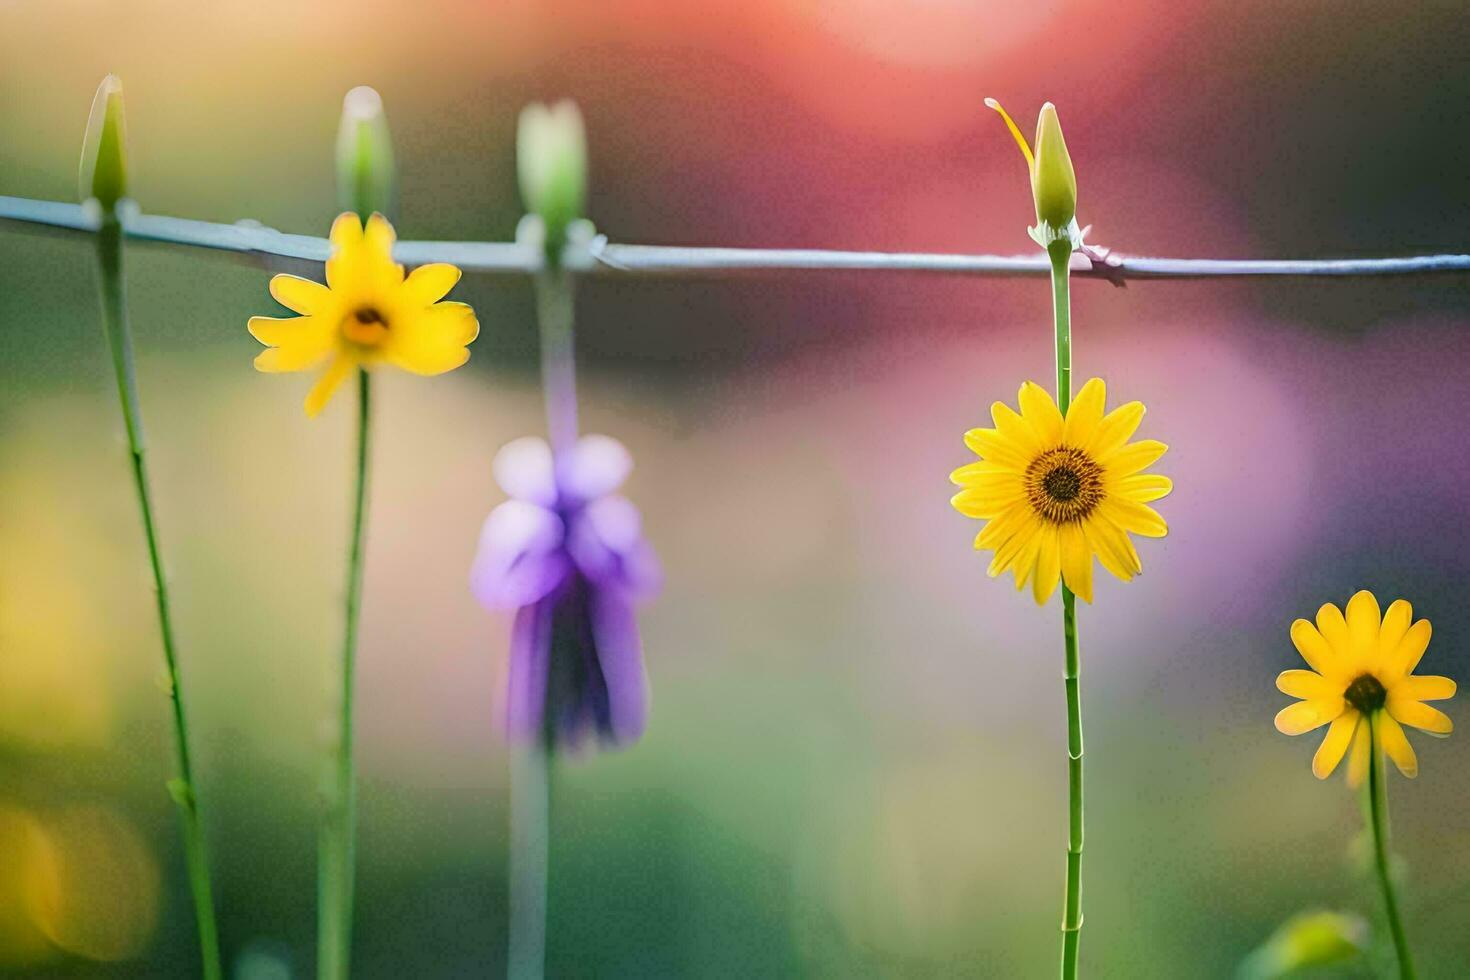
x=255, y=242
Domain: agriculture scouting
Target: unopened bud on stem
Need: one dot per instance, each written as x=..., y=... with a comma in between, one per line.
x=365, y=171
x=104, y=172
x=1053, y=182
x=551, y=162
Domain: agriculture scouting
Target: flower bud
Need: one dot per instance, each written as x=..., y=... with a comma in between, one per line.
x=1306, y=941
x=104, y=172
x=1053, y=183
x=551, y=162
x=365, y=171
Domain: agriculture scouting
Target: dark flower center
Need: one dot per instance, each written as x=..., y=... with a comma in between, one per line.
x=1064, y=484
x=1366, y=693
x=365, y=326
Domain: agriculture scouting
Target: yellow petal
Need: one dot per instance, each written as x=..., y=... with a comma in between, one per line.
x=1133, y=457
x=297, y=343
x=433, y=341
x=1026, y=561
x=1013, y=547
x=1362, y=612
x=979, y=503
x=1116, y=428
x=1361, y=754
x=1048, y=566
x=979, y=468
x=1363, y=619
x=1426, y=688
x=1015, y=134
x=361, y=269
x=428, y=284
x=1396, y=622
x=297, y=357
x=1334, y=744
x=1085, y=414
x=276, y=331
x=1334, y=629
x=1396, y=745
x=1013, y=427
x=1144, y=487
x=1040, y=412
x=1303, y=716
x=1003, y=527
x=1314, y=649
x=1306, y=684
x=378, y=234
x=302, y=295
x=1418, y=715
x=1076, y=560
x=428, y=363
x=328, y=383
x=990, y=445
x=1411, y=648
x=1133, y=516
x=984, y=474
x=346, y=230
x=1113, y=548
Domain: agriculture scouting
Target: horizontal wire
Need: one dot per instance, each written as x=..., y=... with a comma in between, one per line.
x=254, y=241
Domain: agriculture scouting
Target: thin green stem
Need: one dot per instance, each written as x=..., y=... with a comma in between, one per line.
x=337, y=844
x=530, y=801
x=1072, y=897
x=1060, y=253
x=530, y=768
x=182, y=787
x=554, y=313
x=1061, y=304
x=1378, y=820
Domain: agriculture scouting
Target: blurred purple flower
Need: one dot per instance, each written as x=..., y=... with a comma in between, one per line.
x=568, y=555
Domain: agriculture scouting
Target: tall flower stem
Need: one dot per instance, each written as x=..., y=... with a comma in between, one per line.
x=1061, y=304
x=1060, y=253
x=182, y=787
x=530, y=771
x=530, y=801
x=337, y=842
x=1378, y=819
x=554, y=312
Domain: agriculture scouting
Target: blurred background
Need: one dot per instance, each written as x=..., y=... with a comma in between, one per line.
x=855, y=764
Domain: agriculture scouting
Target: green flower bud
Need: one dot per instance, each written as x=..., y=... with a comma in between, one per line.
x=1307, y=940
x=1053, y=182
x=104, y=172
x=551, y=162
x=365, y=171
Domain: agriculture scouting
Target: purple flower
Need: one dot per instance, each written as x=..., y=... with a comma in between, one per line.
x=568, y=555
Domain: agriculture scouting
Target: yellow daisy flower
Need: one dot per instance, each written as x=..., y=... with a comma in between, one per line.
x=1056, y=491
x=1362, y=665
x=368, y=313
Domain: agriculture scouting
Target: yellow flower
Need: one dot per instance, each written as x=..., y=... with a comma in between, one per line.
x=367, y=314
x=1362, y=666
x=1057, y=491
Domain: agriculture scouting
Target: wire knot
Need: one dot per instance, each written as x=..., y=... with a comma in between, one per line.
x=1106, y=263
